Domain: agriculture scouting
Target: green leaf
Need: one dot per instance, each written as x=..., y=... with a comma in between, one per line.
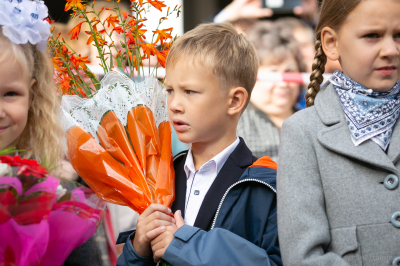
x=9, y=150
x=119, y=63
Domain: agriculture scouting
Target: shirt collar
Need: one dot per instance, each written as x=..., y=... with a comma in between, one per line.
x=217, y=161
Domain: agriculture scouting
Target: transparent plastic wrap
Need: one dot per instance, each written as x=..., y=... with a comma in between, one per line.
x=119, y=141
x=42, y=218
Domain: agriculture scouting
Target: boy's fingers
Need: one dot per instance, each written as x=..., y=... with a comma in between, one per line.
x=156, y=207
x=155, y=233
x=157, y=246
x=159, y=216
x=155, y=224
x=179, y=219
x=159, y=254
x=157, y=239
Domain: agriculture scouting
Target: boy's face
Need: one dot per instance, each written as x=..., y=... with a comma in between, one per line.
x=197, y=105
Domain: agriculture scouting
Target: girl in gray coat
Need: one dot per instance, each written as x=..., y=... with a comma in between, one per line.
x=339, y=167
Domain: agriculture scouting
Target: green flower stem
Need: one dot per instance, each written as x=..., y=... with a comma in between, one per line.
x=83, y=13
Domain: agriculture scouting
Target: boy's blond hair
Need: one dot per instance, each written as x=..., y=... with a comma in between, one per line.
x=42, y=136
x=219, y=46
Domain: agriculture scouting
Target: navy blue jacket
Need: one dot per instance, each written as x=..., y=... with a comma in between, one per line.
x=241, y=211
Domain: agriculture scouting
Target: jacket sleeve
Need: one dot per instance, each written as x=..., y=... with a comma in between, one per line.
x=303, y=226
x=129, y=256
x=193, y=246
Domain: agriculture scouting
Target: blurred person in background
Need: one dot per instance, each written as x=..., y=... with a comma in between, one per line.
x=243, y=14
x=303, y=33
x=271, y=103
x=252, y=9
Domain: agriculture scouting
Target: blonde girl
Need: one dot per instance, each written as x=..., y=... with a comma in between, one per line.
x=339, y=167
x=29, y=109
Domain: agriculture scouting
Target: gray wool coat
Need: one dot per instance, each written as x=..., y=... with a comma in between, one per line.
x=334, y=207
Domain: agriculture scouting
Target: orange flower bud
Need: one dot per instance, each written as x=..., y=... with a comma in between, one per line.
x=64, y=49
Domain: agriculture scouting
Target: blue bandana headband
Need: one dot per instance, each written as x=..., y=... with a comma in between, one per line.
x=369, y=114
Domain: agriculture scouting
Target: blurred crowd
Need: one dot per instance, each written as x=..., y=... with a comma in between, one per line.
x=283, y=43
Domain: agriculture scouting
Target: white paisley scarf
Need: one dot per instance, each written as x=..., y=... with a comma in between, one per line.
x=369, y=114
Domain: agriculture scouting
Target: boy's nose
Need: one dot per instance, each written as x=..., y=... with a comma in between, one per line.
x=175, y=105
x=389, y=48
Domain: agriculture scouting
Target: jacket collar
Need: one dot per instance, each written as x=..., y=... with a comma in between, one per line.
x=235, y=165
x=238, y=161
x=336, y=136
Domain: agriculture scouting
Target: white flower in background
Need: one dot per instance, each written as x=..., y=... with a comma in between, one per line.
x=5, y=170
x=60, y=192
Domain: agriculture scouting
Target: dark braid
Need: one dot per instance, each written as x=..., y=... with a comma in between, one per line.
x=316, y=77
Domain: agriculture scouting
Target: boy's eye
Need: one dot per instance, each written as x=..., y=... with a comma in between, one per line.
x=170, y=91
x=189, y=92
x=397, y=35
x=371, y=36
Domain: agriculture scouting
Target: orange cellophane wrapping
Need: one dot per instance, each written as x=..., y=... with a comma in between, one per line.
x=134, y=169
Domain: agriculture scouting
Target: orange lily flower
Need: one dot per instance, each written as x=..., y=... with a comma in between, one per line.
x=167, y=45
x=99, y=39
x=149, y=49
x=119, y=30
x=132, y=22
x=74, y=4
x=123, y=13
x=112, y=20
x=76, y=30
x=162, y=57
x=58, y=64
x=78, y=61
x=131, y=39
x=157, y=4
x=163, y=35
x=64, y=49
x=48, y=20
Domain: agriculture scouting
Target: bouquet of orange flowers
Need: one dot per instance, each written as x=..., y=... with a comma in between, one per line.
x=117, y=130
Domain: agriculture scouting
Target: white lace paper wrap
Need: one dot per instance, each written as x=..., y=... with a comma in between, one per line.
x=119, y=94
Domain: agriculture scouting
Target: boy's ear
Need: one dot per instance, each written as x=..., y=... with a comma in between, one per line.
x=31, y=87
x=237, y=100
x=329, y=41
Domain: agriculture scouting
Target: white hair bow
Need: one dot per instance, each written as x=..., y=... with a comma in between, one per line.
x=23, y=21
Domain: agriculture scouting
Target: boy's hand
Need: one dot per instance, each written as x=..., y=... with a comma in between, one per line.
x=160, y=244
x=153, y=221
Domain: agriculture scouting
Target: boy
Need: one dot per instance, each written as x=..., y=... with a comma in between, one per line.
x=211, y=72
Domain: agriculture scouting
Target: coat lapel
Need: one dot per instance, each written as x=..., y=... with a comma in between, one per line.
x=238, y=161
x=180, y=185
x=336, y=136
x=394, y=146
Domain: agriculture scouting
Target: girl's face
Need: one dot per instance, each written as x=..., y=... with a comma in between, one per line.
x=368, y=44
x=276, y=98
x=14, y=102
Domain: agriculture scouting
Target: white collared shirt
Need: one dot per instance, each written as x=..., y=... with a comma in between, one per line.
x=199, y=182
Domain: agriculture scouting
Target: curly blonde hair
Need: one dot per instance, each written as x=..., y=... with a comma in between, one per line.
x=332, y=14
x=43, y=133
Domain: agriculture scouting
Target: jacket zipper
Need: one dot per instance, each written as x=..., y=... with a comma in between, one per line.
x=230, y=188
